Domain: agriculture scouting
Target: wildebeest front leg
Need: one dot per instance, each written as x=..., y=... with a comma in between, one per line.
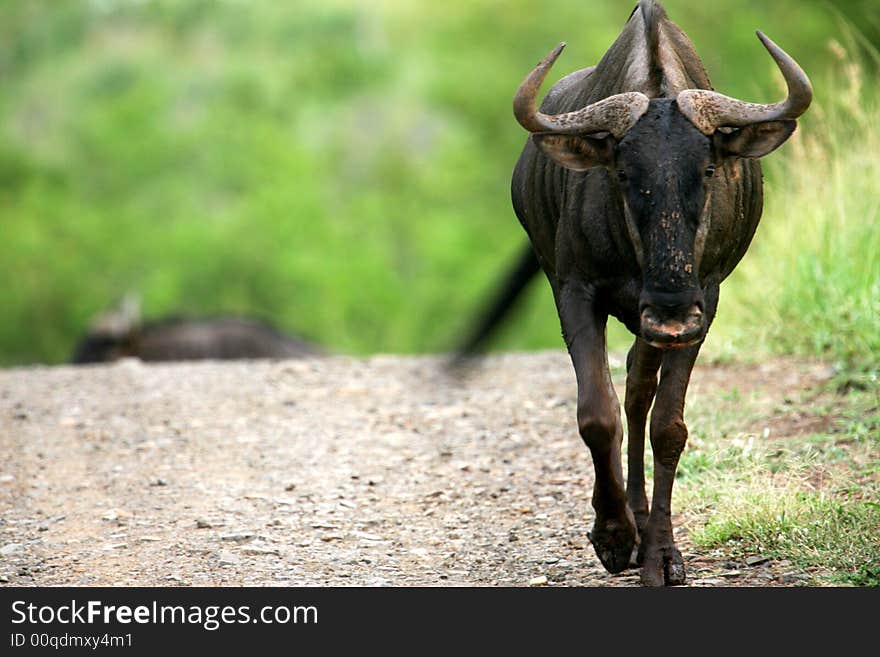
x=642, y=364
x=661, y=560
x=614, y=533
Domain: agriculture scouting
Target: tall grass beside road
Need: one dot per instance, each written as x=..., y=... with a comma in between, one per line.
x=810, y=284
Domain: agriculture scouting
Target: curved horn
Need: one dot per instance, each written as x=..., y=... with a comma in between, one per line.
x=615, y=114
x=709, y=110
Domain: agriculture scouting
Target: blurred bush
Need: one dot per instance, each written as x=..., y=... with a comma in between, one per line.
x=341, y=167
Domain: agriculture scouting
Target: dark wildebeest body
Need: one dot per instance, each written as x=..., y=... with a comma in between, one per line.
x=639, y=198
x=179, y=338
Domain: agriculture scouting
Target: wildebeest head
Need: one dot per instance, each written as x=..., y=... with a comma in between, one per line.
x=112, y=335
x=663, y=156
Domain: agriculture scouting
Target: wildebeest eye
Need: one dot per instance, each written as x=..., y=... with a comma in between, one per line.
x=621, y=175
x=710, y=171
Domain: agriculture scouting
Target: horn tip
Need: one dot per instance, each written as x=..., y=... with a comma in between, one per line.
x=551, y=57
x=764, y=38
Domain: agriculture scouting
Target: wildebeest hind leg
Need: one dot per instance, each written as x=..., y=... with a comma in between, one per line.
x=642, y=364
x=662, y=562
x=614, y=534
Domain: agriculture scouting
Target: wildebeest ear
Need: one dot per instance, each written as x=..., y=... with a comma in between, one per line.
x=575, y=152
x=758, y=139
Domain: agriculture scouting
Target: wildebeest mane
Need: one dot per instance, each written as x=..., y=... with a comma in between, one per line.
x=652, y=55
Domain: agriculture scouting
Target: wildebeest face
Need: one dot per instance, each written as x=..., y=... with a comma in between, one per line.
x=663, y=170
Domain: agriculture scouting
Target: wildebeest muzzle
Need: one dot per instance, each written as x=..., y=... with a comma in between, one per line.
x=672, y=320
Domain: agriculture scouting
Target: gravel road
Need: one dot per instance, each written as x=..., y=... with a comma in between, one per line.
x=328, y=471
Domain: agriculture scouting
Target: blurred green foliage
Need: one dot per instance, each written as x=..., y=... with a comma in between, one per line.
x=340, y=167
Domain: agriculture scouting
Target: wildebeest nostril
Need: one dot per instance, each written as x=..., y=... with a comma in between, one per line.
x=694, y=315
x=666, y=315
x=650, y=315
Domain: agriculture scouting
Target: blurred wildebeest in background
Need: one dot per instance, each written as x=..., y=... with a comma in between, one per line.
x=120, y=333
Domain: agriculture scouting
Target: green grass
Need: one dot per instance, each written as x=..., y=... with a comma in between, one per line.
x=835, y=539
x=809, y=500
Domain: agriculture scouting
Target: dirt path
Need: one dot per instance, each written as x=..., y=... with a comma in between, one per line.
x=335, y=471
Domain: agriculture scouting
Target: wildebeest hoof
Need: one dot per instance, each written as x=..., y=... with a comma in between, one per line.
x=614, y=542
x=663, y=568
x=674, y=573
x=635, y=558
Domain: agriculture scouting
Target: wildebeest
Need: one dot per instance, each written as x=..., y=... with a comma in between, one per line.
x=640, y=190
x=120, y=334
